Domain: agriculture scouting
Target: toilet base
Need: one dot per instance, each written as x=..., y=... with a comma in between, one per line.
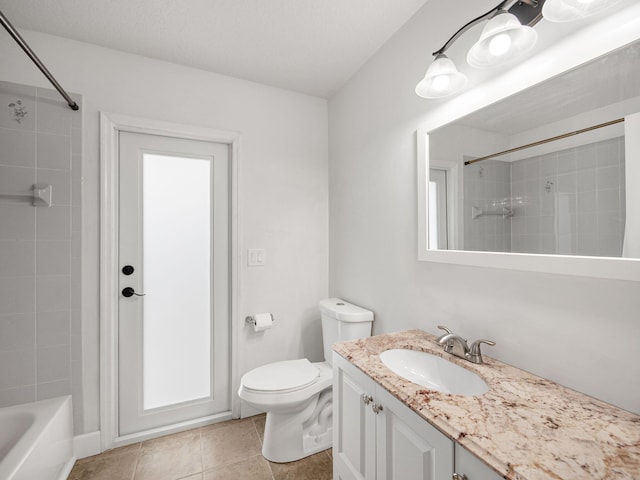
x=289, y=437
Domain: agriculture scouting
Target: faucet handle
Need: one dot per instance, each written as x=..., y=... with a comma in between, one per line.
x=475, y=355
x=446, y=329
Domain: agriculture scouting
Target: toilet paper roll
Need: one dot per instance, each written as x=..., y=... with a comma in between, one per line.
x=264, y=321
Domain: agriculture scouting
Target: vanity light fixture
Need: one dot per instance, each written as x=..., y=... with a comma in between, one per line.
x=442, y=79
x=507, y=35
x=503, y=38
x=569, y=10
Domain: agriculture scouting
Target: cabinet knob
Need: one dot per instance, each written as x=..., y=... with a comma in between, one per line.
x=376, y=408
x=459, y=476
x=366, y=399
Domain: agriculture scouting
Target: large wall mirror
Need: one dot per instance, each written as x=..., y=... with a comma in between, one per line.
x=546, y=179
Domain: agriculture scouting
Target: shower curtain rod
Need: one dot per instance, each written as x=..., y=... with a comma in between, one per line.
x=546, y=140
x=18, y=38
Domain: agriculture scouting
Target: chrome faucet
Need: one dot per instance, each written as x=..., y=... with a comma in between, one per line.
x=456, y=345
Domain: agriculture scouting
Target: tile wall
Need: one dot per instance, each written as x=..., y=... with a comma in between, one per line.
x=40, y=248
x=487, y=186
x=569, y=202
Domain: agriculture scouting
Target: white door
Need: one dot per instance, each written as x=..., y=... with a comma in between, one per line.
x=174, y=313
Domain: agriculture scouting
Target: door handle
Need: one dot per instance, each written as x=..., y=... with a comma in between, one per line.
x=129, y=292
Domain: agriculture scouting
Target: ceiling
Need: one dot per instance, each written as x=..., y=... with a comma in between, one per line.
x=308, y=46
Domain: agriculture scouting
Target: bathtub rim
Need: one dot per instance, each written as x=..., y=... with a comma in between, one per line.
x=44, y=412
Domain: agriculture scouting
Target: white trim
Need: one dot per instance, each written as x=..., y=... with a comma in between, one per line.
x=613, y=32
x=86, y=445
x=454, y=220
x=66, y=469
x=175, y=428
x=110, y=125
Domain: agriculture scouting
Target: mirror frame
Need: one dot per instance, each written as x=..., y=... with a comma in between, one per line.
x=613, y=32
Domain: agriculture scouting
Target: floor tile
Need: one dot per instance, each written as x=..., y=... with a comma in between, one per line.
x=114, y=467
x=254, y=468
x=229, y=444
x=170, y=457
x=315, y=467
x=225, y=451
x=227, y=423
x=135, y=447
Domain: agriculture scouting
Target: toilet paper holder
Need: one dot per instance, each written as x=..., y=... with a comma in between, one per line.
x=249, y=320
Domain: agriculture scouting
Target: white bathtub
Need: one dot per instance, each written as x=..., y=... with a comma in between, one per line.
x=36, y=440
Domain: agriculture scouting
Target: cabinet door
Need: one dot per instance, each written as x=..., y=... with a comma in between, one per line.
x=409, y=448
x=354, y=456
x=472, y=467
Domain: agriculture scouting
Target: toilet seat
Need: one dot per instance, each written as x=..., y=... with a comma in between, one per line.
x=281, y=377
x=285, y=399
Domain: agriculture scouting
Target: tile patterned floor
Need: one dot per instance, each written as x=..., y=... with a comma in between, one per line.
x=224, y=451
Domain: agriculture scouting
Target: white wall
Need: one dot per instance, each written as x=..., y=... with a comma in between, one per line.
x=578, y=331
x=283, y=182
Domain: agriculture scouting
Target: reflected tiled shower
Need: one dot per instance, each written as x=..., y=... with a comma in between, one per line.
x=570, y=202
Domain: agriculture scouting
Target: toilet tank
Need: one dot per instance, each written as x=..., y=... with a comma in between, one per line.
x=342, y=321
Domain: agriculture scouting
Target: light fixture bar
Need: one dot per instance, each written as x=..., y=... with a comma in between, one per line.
x=467, y=26
x=512, y=6
x=443, y=79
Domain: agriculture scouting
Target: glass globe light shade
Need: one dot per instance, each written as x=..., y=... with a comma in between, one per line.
x=503, y=39
x=442, y=79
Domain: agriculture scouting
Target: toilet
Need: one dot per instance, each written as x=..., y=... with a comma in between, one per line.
x=296, y=394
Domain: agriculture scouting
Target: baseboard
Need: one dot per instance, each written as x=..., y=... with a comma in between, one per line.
x=86, y=444
x=66, y=470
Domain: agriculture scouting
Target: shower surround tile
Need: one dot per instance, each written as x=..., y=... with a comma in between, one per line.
x=37, y=132
x=18, y=148
x=566, y=202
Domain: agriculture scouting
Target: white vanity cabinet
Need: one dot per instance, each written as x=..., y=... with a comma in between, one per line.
x=472, y=467
x=376, y=437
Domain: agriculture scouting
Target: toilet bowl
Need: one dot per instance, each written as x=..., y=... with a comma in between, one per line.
x=296, y=394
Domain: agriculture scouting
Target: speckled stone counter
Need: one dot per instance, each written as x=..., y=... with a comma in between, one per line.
x=525, y=427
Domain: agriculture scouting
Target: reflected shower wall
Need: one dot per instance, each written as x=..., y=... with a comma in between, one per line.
x=487, y=186
x=569, y=202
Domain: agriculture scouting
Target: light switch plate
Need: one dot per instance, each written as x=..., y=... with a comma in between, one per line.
x=255, y=257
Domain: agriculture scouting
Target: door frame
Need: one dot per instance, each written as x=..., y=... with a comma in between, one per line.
x=110, y=126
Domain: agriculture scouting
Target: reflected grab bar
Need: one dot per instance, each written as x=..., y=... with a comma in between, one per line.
x=40, y=195
x=506, y=212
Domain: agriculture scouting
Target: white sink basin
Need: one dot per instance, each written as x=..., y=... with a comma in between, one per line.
x=433, y=372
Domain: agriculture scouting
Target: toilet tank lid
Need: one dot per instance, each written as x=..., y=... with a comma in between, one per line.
x=345, y=311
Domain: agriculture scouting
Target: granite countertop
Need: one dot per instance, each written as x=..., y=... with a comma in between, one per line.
x=525, y=427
